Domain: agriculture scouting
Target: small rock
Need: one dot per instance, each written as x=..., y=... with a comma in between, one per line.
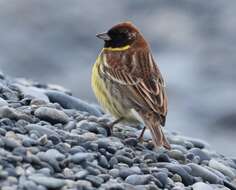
x=198, y=152
x=41, y=129
x=176, y=154
x=163, y=158
x=68, y=173
x=114, y=172
x=111, y=144
x=3, y=102
x=43, y=139
x=83, y=185
x=138, y=179
x=91, y=127
x=11, y=113
x=51, y=115
x=95, y=180
x=49, y=182
x=162, y=177
x=53, y=154
x=202, y=186
x=125, y=172
x=176, y=178
x=93, y=171
x=81, y=157
x=131, y=141
x=178, y=169
x=103, y=162
x=124, y=159
x=81, y=174
x=31, y=91
x=222, y=168
x=69, y=102
x=204, y=173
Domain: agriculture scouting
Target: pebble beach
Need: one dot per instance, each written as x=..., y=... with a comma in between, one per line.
x=50, y=139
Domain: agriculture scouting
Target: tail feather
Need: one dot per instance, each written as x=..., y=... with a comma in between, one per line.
x=158, y=137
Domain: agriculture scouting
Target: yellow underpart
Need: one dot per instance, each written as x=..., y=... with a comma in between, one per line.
x=110, y=103
x=100, y=90
x=117, y=49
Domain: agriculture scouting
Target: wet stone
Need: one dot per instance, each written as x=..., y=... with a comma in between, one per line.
x=95, y=180
x=198, y=152
x=204, y=173
x=138, y=179
x=51, y=115
x=125, y=172
x=49, y=182
x=81, y=157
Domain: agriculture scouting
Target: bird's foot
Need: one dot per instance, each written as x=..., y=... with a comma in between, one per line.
x=109, y=126
x=140, y=138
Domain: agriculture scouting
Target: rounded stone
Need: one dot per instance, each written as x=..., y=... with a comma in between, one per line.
x=138, y=179
x=51, y=115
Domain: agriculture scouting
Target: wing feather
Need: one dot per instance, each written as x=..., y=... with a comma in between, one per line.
x=143, y=79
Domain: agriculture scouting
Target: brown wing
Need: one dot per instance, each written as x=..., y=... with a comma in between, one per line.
x=143, y=78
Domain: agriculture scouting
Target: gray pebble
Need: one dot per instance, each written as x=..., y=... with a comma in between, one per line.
x=111, y=144
x=202, y=186
x=11, y=113
x=125, y=172
x=95, y=180
x=55, y=154
x=138, y=179
x=213, y=163
x=204, y=173
x=178, y=169
x=131, y=141
x=76, y=149
x=92, y=127
x=28, y=185
x=45, y=171
x=81, y=174
x=31, y=91
x=10, y=143
x=49, y=182
x=41, y=129
x=124, y=159
x=162, y=177
x=84, y=185
x=103, y=162
x=198, y=152
x=3, y=102
x=163, y=158
x=93, y=171
x=69, y=102
x=177, y=155
x=114, y=185
x=51, y=115
x=81, y=157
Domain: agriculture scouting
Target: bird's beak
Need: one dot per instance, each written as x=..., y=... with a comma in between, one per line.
x=104, y=36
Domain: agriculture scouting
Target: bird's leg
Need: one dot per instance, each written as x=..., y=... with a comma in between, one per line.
x=140, y=138
x=109, y=126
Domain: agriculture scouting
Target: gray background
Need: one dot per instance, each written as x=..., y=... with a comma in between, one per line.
x=193, y=42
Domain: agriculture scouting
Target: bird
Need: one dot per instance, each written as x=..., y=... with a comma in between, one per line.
x=128, y=83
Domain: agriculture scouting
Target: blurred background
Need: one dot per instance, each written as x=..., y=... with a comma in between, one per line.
x=193, y=42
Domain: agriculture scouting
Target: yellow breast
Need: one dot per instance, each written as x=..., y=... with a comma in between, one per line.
x=102, y=92
x=110, y=103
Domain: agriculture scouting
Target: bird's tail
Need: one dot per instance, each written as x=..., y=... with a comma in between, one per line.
x=158, y=137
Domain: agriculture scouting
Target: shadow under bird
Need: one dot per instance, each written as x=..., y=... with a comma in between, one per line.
x=127, y=82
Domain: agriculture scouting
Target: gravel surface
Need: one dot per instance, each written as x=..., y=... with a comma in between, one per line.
x=52, y=140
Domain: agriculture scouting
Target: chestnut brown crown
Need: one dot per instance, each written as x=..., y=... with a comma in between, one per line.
x=121, y=35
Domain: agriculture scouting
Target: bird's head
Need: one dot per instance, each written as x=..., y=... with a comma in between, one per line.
x=121, y=35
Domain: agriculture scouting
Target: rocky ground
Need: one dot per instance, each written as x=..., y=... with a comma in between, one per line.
x=52, y=140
